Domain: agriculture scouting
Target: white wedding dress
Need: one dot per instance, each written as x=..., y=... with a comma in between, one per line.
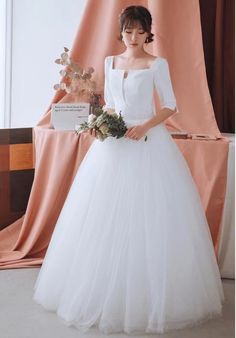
x=131, y=250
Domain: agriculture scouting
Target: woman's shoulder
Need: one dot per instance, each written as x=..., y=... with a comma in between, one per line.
x=159, y=62
x=108, y=57
x=108, y=60
x=156, y=61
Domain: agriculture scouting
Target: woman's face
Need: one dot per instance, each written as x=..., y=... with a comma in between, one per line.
x=134, y=36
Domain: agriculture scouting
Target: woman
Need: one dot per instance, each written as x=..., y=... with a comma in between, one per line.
x=131, y=250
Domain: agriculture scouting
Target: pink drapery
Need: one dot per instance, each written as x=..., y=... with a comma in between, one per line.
x=177, y=29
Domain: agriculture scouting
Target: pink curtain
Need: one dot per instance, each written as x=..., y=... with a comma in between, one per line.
x=58, y=154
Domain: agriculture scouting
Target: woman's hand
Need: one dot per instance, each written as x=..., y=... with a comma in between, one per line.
x=92, y=132
x=136, y=132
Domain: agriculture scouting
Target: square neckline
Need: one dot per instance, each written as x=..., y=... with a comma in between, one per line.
x=137, y=69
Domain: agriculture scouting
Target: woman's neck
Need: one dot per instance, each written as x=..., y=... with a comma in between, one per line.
x=134, y=54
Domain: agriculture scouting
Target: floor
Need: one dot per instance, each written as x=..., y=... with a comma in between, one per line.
x=21, y=317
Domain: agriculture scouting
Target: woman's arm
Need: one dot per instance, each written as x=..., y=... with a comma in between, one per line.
x=163, y=86
x=140, y=130
x=158, y=118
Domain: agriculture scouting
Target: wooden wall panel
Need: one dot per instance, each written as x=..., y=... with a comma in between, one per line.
x=16, y=173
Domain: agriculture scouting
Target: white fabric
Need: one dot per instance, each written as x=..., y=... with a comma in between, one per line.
x=226, y=252
x=131, y=250
x=160, y=75
x=107, y=92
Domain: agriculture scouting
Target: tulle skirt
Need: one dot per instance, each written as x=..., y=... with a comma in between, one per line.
x=131, y=250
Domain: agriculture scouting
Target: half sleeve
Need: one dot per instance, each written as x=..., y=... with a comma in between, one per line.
x=109, y=102
x=163, y=85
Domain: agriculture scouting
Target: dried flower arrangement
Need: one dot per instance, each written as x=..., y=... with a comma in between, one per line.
x=76, y=80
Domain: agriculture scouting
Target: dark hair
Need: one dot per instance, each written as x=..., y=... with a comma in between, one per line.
x=136, y=13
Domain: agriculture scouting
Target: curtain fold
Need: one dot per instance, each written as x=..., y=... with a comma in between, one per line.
x=218, y=22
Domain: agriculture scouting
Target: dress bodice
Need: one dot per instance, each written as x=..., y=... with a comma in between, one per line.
x=133, y=95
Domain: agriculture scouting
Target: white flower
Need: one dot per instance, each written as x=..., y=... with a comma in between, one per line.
x=91, y=117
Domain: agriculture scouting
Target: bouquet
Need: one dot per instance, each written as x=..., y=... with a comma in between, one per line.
x=105, y=124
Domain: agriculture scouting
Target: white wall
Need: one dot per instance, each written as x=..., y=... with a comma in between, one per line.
x=40, y=30
x=3, y=15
